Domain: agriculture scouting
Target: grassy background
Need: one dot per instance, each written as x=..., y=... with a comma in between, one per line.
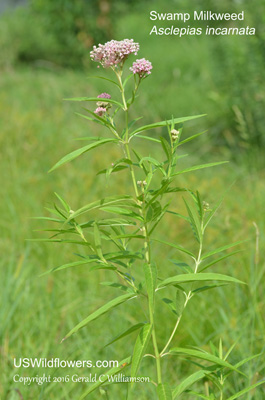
x=37, y=128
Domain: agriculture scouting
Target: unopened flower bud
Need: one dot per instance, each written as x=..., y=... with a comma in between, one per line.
x=205, y=205
x=174, y=134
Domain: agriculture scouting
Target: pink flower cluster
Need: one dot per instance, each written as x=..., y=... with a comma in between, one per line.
x=104, y=96
x=114, y=52
x=102, y=105
x=100, y=111
x=142, y=67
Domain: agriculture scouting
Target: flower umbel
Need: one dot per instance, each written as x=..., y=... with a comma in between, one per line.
x=114, y=52
x=104, y=104
x=142, y=67
x=100, y=111
x=104, y=96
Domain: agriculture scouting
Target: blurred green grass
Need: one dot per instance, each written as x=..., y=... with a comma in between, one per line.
x=37, y=128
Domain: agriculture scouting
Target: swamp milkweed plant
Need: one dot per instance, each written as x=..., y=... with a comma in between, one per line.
x=126, y=225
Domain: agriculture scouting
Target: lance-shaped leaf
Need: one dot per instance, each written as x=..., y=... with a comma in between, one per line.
x=98, y=244
x=203, y=268
x=238, y=394
x=164, y=391
x=73, y=264
x=99, y=204
x=204, y=356
x=105, y=79
x=164, y=123
x=95, y=99
x=175, y=246
x=195, y=222
x=102, y=310
x=185, y=278
x=113, y=371
x=150, y=273
x=190, y=138
x=147, y=138
x=183, y=171
x=140, y=348
x=126, y=333
x=74, y=154
x=188, y=382
x=220, y=249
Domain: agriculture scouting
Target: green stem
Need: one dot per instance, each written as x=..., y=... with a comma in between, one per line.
x=147, y=241
x=188, y=297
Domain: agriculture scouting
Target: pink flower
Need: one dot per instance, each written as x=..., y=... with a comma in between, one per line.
x=100, y=111
x=114, y=52
x=104, y=96
x=142, y=67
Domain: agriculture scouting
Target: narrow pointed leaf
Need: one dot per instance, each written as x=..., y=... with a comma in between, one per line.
x=164, y=391
x=238, y=394
x=102, y=310
x=95, y=99
x=164, y=123
x=196, y=167
x=218, y=260
x=188, y=382
x=150, y=273
x=113, y=371
x=70, y=265
x=220, y=249
x=147, y=138
x=195, y=223
x=126, y=333
x=204, y=356
x=190, y=138
x=105, y=79
x=140, y=348
x=180, y=248
x=185, y=278
x=99, y=204
x=74, y=154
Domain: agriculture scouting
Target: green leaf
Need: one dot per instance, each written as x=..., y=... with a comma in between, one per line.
x=73, y=264
x=166, y=147
x=218, y=260
x=164, y=391
x=164, y=123
x=242, y=362
x=220, y=249
x=238, y=394
x=180, y=248
x=150, y=273
x=182, y=265
x=95, y=99
x=194, y=221
x=122, y=211
x=180, y=302
x=140, y=348
x=147, y=138
x=102, y=310
x=99, y=204
x=113, y=371
x=98, y=245
x=63, y=202
x=185, y=278
x=188, y=382
x=190, y=138
x=204, y=356
x=199, y=167
x=208, y=287
x=170, y=304
x=74, y=154
x=126, y=333
x=105, y=79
